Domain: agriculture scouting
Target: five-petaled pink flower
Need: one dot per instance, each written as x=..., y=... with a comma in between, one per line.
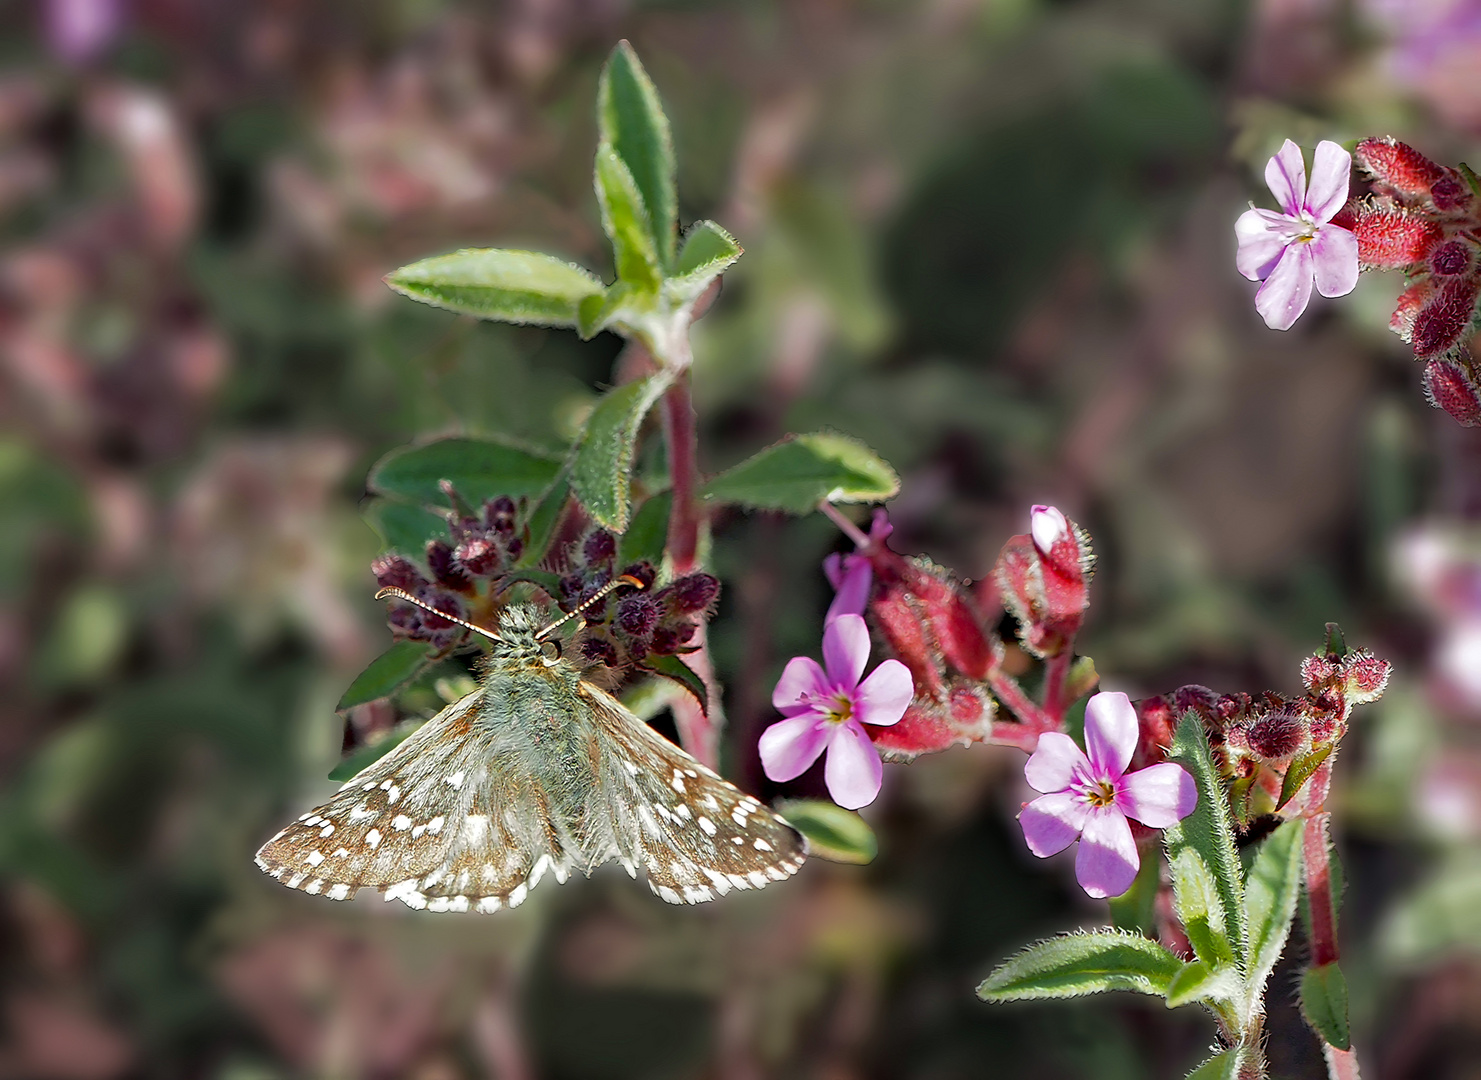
x=1091, y=797
x=827, y=710
x=1291, y=249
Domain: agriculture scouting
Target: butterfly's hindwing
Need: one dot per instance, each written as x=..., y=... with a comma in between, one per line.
x=697, y=835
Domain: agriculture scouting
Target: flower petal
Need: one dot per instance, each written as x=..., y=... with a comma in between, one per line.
x=853, y=589
x=1047, y=525
x=883, y=698
x=1286, y=175
x=1107, y=861
x=1051, y=822
x=801, y=679
x=1287, y=290
x=833, y=570
x=1055, y=761
x=853, y=770
x=789, y=746
x=845, y=651
x=1334, y=255
x=1111, y=730
x=1157, y=796
x=1330, y=171
x=1262, y=237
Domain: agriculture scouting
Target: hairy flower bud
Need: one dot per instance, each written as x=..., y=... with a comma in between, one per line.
x=637, y=615
x=643, y=571
x=1043, y=579
x=1277, y=734
x=598, y=650
x=1451, y=258
x=481, y=557
x=1442, y=321
x=600, y=547
x=498, y=514
x=1399, y=166
x=692, y=593
x=671, y=637
x=1391, y=236
x=1450, y=386
x=394, y=571
x=1450, y=192
x=445, y=567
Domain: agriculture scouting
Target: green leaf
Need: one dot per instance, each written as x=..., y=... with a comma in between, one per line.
x=1324, y=1004
x=367, y=756
x=1300, y=770
x=601, y=467
x=595, y=313
x=1271, y=889
x=801, y=471
x=479, y=468
x=1207, y=835
x=1196, y=900
x=403, y=527
x=1077, y=964
x=543, y=521
x=387, y=673
x=832, y=832
x=1198, y=981
x=647, y=534
x=1222, y=1066
x=707, y=253
x=631, y=119
x=671, y=667
x=625, y=222
x=494, y=283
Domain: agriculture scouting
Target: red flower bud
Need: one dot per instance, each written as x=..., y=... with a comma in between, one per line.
x=1451, y=258
x=1442, y=321
x=1451, y=192
x=1391, y=236
x=393, y=570
x=1277, y=735
x=1367, y=677
x=1398, y=165
x=1411, y=300
x=1449, y=386
x=1044, y=578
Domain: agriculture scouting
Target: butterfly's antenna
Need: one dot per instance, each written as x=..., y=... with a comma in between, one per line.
x=402, y=594
x=620, y=579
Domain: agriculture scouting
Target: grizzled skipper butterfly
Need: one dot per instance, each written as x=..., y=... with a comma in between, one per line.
x=536, y=771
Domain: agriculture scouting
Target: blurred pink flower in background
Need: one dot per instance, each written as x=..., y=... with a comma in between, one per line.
x=78, y=30
x=827, y=710
x=1290, y=250
x=1435, y=50
x=1090, y=798
x=1441, y=567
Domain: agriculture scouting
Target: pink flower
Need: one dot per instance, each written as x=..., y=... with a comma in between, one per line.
x=828, y=711
x=1090, y=798
x=1290, y=250
x=851, y=575
x=1047, y=525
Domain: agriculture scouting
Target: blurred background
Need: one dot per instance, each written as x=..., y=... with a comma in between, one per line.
x=992, y=238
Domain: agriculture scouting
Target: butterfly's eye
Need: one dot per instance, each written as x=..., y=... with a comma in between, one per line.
x=550, y=649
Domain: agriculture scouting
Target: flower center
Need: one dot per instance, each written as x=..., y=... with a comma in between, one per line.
x=1306, y=229
x=1100, y=793
x=840, y=710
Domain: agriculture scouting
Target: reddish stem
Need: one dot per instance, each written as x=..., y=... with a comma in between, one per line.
x=1315, y=851
x=1342, y=1064
x=683, y=451
x=1006, y=687
x=1056, y=684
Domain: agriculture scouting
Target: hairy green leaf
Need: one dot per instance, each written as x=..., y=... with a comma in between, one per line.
x=1208, y=834
x=1077, y=964
x=543, y=519
x=1222, y=1066
x=1300, y=771
x=602, y=464
x=1196, y=900
x=597, y=311
x=1271, y=889
x=631, y=120
x=387, y=673
x=494, y=283
x=648, y=531
x=1198, y=981
x=707, y=253
x=832, y=832
x=1324, y=1004
x=625, y=221
x=802, y=470
x=479, y=468
x=366, y=756
x=671, y=667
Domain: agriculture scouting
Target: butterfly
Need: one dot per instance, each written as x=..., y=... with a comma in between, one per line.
x=538, y=771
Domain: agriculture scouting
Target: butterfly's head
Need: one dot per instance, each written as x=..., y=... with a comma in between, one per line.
x=520, y=627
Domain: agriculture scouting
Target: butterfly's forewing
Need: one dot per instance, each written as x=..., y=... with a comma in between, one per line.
x=697, y=835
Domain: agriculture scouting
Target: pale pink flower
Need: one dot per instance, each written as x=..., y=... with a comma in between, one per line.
x=1090, y=798
x=827, y=710
x=1047, y=526
x=1290, y=250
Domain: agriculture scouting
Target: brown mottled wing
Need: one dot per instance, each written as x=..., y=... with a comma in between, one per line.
x=437, y=823
x=697, y=835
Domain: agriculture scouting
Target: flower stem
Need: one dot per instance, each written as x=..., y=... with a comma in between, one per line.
x=683, y=447
x=1056, y=684
x=1034, y=719
x=847, y=527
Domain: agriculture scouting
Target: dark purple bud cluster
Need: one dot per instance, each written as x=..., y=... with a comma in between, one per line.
x=482, y=545
x=630, y=625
